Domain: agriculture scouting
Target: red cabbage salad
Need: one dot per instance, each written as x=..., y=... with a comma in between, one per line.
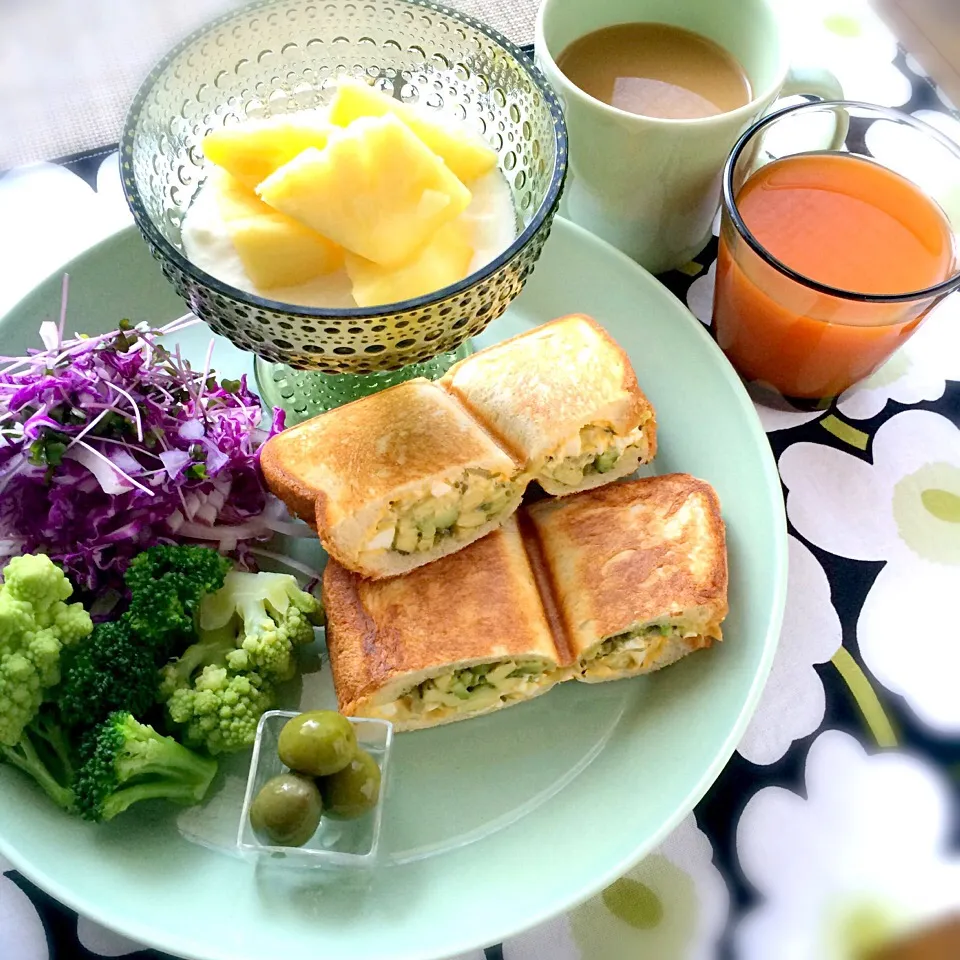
x=113, y=443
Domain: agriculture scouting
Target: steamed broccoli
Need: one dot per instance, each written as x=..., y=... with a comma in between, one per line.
x=249, y=632
x=267, y=616
x=35, y=626
x=107, y=671
x=127, y=761
x=219, y=710
x=166, y=585
x=117, y=668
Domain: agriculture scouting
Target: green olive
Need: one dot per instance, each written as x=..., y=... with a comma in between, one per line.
x=354, y=790
x=317, y=743
x=287, y=810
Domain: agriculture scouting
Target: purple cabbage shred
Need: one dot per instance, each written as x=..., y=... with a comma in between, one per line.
x=112, y=443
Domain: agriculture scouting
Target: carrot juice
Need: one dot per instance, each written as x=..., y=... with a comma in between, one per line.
x=843, y=222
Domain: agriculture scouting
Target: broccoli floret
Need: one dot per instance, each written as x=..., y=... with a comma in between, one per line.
x=220, y=710
x=109, y=670
x=248, y=634
x=35, y=625
x=126, y=761
x=269, y=617
x=166, y=586
x=249, y=631
x=42, y=752
x=117, y=668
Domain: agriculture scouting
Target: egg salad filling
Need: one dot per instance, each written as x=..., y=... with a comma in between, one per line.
x=636, y=649
x=417, y=523
x=468, y=690
x=598, y=448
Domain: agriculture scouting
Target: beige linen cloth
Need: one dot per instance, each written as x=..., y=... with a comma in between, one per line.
x=69, y=68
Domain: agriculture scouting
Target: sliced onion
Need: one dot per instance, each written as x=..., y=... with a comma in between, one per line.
x=191, y=430
x=206, y=513
x=50, y=335
x=175, y=461
x=111, y=478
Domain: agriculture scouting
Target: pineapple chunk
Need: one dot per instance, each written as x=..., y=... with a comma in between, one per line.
x=235, y=200
x=375, y=189
x=463, y=152
x=276, y=250
x=444, y=260
x=253, y=150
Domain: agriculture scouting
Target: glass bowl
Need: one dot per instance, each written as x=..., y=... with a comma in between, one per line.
x=281, y=56
x=344, y=844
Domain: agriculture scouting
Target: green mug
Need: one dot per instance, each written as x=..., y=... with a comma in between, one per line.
x=647, y=185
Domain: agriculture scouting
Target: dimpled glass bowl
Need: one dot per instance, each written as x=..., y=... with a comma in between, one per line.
x=281, y=56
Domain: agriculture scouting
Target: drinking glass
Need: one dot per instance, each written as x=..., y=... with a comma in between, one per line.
x=788, y=335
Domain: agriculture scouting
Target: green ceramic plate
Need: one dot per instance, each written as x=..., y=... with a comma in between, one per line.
x=495, y=824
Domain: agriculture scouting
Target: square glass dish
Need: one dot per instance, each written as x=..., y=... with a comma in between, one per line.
x=337, y=844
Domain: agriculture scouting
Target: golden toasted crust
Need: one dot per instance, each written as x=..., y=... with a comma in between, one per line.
x=331, y=467
x=474, y=606
x=536, y=390
x=633, y=552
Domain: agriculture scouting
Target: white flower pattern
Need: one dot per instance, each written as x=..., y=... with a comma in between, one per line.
x=859, y=858
x=49, y=216
x=793, y=703
x=849, y=38
x=672, y=906
x=918, y=371
x=22, y=936
x=700, y=295
x=103, y=942
x=904, y=509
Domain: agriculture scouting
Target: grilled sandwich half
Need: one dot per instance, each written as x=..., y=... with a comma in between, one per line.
x=464, y=636
x=394, y=480
x=638, y=572
x=564, y=399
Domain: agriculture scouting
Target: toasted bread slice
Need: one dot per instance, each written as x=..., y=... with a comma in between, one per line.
x=462, y=637
x=562, y=397
x=639, y=572
x=394, y=480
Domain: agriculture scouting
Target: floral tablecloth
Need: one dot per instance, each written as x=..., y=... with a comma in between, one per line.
x=835, y=823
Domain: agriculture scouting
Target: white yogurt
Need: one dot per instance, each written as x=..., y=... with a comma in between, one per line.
x=207, y=244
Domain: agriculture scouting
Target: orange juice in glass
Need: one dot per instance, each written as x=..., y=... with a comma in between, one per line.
x=829, y=261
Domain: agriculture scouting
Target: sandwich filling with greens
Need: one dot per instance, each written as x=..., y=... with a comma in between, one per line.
x=640, y=649
x=469, y=690
x=418, y=522
x=597, y=448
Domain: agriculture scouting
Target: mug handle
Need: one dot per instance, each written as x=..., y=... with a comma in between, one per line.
x=815, y=82
x=821, y=83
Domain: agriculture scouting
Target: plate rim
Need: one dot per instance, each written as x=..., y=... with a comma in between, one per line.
x=168, y=941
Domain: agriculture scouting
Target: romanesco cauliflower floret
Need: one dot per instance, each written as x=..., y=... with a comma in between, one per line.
x=70, y=623
x=36, y=580
x=20, y=696
x=221, y=710
x=35, y=625
x=43, y=649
